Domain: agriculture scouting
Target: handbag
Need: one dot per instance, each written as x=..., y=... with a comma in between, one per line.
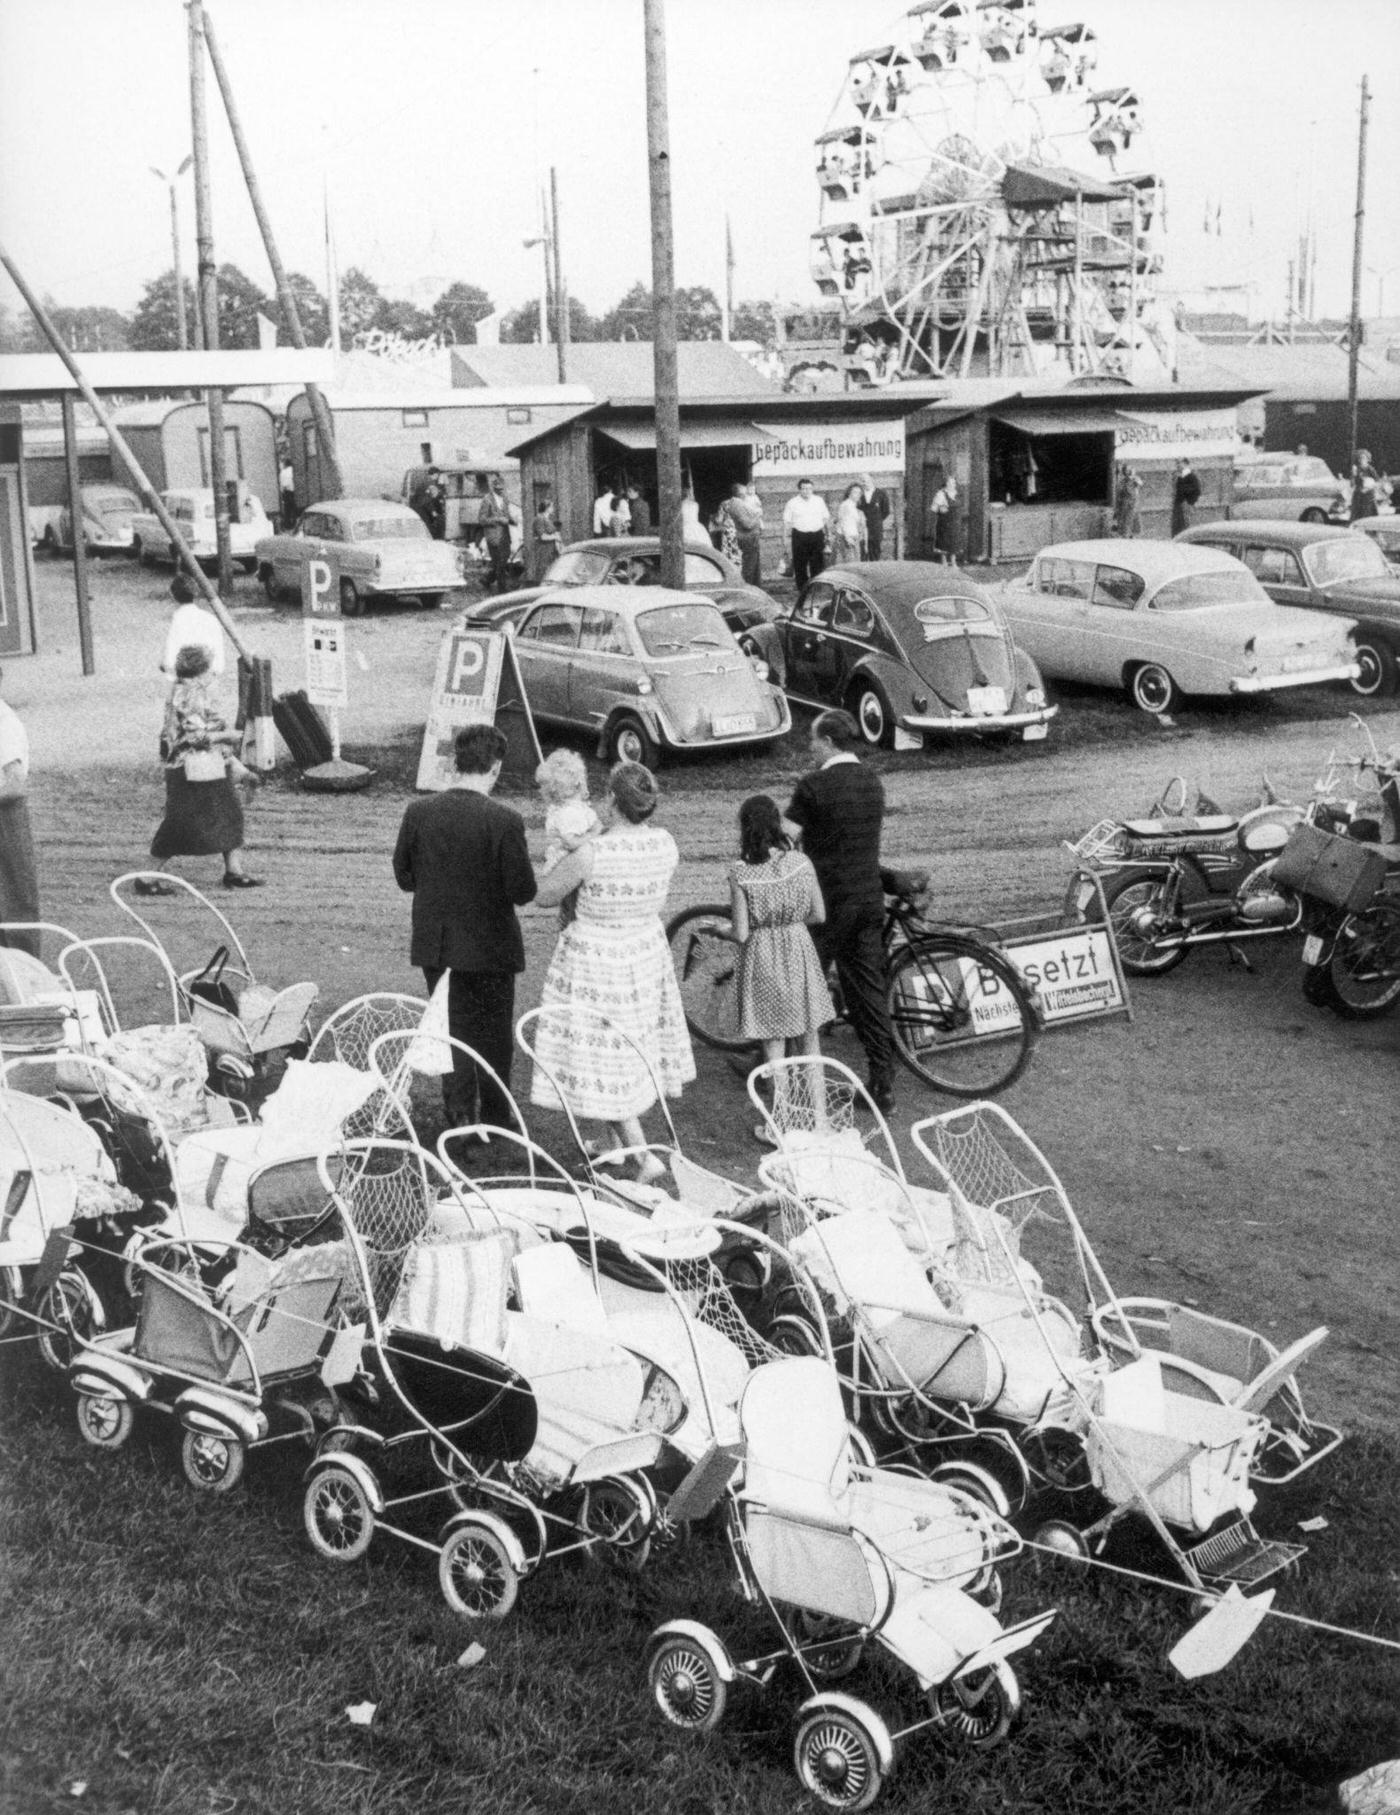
x=210, y=987
x=204, y=765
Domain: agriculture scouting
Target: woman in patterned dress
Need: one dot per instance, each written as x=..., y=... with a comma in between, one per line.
x=774, y=896
x=612, y=963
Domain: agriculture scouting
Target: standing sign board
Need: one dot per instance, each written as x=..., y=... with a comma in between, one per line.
x=477, y=683
x=323, y=636
x=1071, y=959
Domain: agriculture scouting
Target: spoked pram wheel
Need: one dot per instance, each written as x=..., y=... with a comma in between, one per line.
x=839, y=1754
x=829, y=1648
x=211, y=1463
x=687, y=1673
x=337, y=1514
x=475, y=1572
x=1058, y=1458
x=619, y=1515
x=72, y=1312
x=976, y=1482
x=105, y=1423
x=978, y=1709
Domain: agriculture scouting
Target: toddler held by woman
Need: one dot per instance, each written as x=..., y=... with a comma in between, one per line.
x=569, y=818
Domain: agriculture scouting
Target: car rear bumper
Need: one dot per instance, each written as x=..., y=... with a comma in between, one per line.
x=999, y=721
x=1304, y=677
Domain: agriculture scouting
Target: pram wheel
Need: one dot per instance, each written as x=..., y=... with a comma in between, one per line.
x=74, y=1311
x=686, y=1672
x=829, y=1648
x=105, y=1423
x=475, y=1573
x=212, y=1464
x=1058, y=1459
x=976, y=1482
x=838, y=1754
x=338, y=1517
x=978, y=1709
x=619, y=1516
x=1063, y=1540
x=794, y=1336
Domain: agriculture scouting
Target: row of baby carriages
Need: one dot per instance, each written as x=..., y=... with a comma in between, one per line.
x=863, y=1382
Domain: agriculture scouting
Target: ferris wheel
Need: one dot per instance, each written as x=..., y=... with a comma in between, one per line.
x=986, y=208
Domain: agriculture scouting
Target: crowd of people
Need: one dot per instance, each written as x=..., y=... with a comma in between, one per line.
x=464, y=859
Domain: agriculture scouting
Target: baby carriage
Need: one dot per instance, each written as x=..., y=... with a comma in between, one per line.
x=984, y=1159
x=1160, y=1435
x=63, y=1219
x=536, y=1430
x=248, y=1029
x=840, y=1554
x=250, y=1361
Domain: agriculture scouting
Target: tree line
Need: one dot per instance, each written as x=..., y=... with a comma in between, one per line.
x=153, y=325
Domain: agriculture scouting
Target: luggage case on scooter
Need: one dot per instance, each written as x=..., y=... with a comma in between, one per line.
x=302, y=729
x=1326, y=867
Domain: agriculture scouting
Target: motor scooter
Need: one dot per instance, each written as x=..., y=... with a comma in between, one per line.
x=1176, y=880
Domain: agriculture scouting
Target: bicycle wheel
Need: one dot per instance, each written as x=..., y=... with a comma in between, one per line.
x=707, y=968
x=1365, y=969
x=962, y=1016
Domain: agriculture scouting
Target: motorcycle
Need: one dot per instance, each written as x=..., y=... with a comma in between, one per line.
x=1174, y=881
x=1350, y=889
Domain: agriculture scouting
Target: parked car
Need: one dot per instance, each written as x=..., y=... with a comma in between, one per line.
x=1326, y=569
x=646, y=668
x=910, y=647
x=383, y=548
x=108, y=512
x=1385, y=533
x=193, y=511
x=1163, y=618
x=636, y=561
x=1299, y=488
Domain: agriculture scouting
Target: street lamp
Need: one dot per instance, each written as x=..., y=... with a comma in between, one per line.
x=170, y=182
x=1380, y=277
x=546, y=242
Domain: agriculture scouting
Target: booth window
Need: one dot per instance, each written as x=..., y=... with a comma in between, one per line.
x=519, y=418
x=1049, y=469
x=233, y=455
x=415, y=419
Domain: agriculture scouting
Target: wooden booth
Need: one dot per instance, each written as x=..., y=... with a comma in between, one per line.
x=1036, y=466
x=16, y=562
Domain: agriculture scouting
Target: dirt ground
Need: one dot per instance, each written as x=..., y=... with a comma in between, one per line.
x=1231, y=1147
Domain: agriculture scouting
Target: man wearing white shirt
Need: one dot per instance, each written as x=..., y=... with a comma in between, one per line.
x=191, y=624
x=806, y=519
x=602, y=511
x=19, y=876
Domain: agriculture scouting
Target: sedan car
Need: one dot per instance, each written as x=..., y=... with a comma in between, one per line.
x=1324, y=569
x=1163, y=618
x=647, y=669
x=1299, y=488
x=636, y=561
x=909, y=648
x=383, y=549
x=108, y=511
x=193, y=512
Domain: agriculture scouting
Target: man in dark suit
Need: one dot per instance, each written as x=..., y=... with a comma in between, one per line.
x=462, y=857
x=838, y=811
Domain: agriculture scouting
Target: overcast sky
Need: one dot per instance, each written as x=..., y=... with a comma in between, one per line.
x=433, y=119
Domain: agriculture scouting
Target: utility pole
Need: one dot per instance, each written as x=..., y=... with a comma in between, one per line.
x=663, y=286
x=327, y=460
x=561, y=299
x=208, y=284
x=1354, y=336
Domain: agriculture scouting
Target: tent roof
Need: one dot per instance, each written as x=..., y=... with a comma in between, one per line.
x=1047, y=185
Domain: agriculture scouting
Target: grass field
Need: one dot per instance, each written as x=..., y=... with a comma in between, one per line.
x=180, y=1654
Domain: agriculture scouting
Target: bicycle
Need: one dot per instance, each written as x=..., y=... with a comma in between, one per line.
x=963, y=1017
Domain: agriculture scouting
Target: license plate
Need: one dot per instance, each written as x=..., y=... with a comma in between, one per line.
x=1035, y=732
x=986, y=702
x=1312, y=949
x=1293, y=663
x=734, y=724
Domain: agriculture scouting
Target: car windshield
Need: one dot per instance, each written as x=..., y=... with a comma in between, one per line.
x=1195, y=591
x=1308, y=471
x=678, y=629
x=111, y=501
x=389, y=529
x=581, y=567
x=1346, y=558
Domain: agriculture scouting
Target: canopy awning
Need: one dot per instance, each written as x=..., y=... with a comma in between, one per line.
x=641, y=436
x=881, y=54
x=1047, y=185
x=1060, y=422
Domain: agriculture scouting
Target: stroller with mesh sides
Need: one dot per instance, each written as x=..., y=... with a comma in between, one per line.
x=538, y=1428
x=63, y=1221
x=248, y=1028
x=250, y=1360
x=840, y=1554
x=1159, y=1431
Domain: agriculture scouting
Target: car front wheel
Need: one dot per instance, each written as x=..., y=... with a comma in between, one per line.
x=1378, y=675
x=1153, y=689
x=872, y=714
x=629, y=741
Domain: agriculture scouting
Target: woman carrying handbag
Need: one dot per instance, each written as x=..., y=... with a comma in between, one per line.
x=203, y=813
